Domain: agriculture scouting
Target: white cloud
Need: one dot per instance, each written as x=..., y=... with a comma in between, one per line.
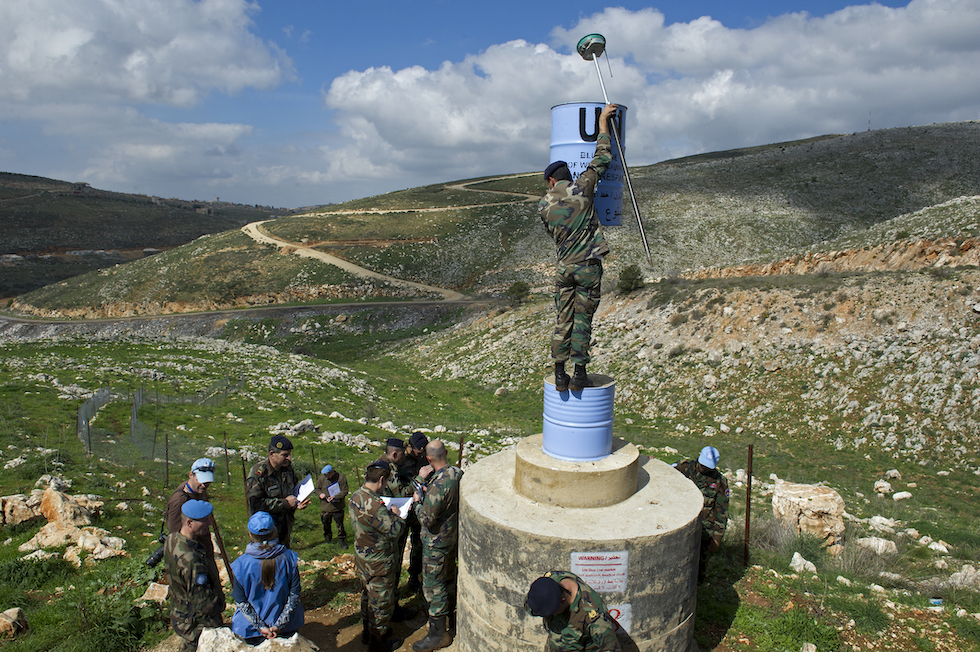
x=690, y=87
x=156, y=51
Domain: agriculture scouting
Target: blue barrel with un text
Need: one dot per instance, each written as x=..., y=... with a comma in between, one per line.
x=574, y=130
x=578, y=426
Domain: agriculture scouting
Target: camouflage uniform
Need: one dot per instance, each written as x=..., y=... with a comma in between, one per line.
x=196, y=598
x=570, y=219
x=586, y=625
x=266, y=490
x=439, y=515
x=714, y=514
x=401, y=485
x=376, y=533
x=332, y=511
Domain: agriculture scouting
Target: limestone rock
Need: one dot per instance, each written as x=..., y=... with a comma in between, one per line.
x=710, y=382
x=13, y=622
x=878, y=545
x=61, y=508
x=966, y=578
x=810, y=509
x=15, y=509
x=883, y=487
x=771, y=365
x=155, y=593
x=223, y=640
x=801, y=565
x=902, y=495
x=893, y=474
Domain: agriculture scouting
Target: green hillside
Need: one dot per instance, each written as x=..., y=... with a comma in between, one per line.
x=479, y=236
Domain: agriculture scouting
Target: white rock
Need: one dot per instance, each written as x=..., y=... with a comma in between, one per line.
x=882, y=524
x=810, y=509
x=893, y=474
x=877, y=588
x=710, y=381
x=808, y=647
x=878, y=545
x=223, y=640
x=966, y=578
x=843, y=580
x=902, y=495
x=939, y=547
x=883, y=487
x=800, y=565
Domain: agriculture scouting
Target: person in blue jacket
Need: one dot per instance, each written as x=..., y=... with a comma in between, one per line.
x=266, y=587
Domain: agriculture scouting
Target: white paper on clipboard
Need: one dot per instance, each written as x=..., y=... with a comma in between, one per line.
x=404, y=505
x=304, y=488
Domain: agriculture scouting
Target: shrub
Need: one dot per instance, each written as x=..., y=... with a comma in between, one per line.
x=678, y=318
x=517, y=292
x=630, y=278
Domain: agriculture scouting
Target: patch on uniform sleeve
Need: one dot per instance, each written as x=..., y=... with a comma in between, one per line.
x=593, y=615
x=727, y=493
x=548, y=574
x=201, y=579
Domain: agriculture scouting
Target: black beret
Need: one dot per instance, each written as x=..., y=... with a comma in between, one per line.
x=544, y=597
x=379, y=464
x=395, y=443
x=550, y=170
x=280, y=443
x=418, y=440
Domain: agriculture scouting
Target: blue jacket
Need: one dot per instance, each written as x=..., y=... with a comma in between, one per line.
x=278, y=606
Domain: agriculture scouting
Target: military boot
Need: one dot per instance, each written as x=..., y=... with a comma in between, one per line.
x=579, y=379
x=438, y=637
x=384, y=642
x=561, y=378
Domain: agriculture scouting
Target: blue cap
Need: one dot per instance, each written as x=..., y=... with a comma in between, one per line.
x=261, y=523
x=550, y=170
x=203, y=469
x=544, y=597
x=196, y=509
x=327, y=469
x=709, y=457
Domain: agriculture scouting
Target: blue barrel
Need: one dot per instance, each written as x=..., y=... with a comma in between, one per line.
x=578, y=426
x=574, y=130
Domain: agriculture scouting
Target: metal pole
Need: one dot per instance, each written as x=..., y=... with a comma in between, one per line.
x=748, y=508
x=227, y=463
x=462, y=445
x=626, y=171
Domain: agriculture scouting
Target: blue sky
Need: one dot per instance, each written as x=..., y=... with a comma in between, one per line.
x=296, y=103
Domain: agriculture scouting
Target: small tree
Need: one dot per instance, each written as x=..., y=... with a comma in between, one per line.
x=630, y=278
x=518, y=292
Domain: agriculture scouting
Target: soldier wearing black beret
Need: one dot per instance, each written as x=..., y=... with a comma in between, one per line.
x=271, y=487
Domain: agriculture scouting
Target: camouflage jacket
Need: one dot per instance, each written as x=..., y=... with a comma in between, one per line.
x=195, y=589
x=324, y=481
x=439, y=510
x=399, y=483
x=569, y=216
x=376, y=533
x=714, y=488
x=586, y=626
x=266, y=490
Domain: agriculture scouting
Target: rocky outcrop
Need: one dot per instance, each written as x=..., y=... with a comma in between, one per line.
x=810, y=509
x=13, y=622
x=223, y=640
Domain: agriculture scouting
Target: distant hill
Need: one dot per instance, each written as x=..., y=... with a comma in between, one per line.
x=51, y=230
x=721, y=209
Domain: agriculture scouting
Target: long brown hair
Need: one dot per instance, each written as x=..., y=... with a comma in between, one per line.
x=268, y=565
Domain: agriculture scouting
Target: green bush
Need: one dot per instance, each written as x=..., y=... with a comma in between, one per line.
x=517, y=292
x=630, y=278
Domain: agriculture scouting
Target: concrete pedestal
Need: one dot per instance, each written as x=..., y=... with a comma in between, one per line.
x=646, y=547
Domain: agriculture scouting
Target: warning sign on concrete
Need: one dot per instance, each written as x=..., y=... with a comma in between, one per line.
x=623, y=615
x=606, y=572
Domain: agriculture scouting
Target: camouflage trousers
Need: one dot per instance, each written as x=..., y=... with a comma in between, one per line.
x=577, y=289
x=439, y=571
x=413, y=531
x=188, y=626
x=378, y=599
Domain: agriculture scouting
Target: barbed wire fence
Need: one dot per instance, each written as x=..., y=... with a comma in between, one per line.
x=147, y=438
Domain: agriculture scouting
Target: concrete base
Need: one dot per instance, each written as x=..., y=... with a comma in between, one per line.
x=648, y=542
x=544, y=479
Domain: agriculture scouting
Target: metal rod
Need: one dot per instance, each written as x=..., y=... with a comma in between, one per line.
x=626, y=172
x=748, y=508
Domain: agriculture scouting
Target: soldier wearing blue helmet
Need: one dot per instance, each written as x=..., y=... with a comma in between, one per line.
x=704, y=473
